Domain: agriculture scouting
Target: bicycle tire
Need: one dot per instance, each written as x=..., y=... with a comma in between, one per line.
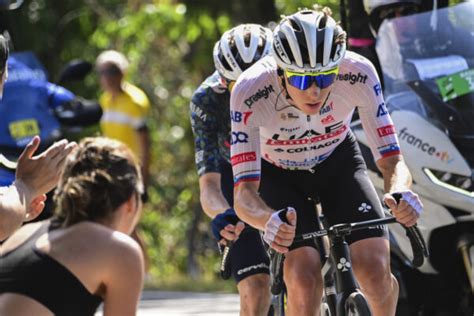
x=356, y=305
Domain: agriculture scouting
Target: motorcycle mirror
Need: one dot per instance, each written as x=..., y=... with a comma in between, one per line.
x=6, y=5
x=75, y=70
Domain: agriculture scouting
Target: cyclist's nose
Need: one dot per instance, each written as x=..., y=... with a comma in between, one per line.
x=313, y=90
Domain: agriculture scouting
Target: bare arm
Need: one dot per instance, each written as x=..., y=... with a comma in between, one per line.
x=395, y=173
x=212, y=199
x=124, y=280
x=397, y=178
x=249, y=205
x=35, y=176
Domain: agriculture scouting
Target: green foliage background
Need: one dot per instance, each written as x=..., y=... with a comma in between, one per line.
x=169, y=44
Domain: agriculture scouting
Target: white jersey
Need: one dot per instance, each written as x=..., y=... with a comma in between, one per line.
x=265, y=125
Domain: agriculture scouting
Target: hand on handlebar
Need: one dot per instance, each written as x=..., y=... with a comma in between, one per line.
x=227, y=226
x=407, y=210
x=280, y=229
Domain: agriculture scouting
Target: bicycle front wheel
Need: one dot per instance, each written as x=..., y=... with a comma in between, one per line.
x=356, y=305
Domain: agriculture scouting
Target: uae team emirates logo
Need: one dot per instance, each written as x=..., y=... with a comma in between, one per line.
x=243, y=157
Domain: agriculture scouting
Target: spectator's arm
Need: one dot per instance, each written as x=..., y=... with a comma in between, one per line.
x=35, y=176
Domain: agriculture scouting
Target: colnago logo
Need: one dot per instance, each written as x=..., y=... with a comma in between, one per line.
x=423, y=146
x=309, y=148
x=352, y=78
x=386, y=130
x=243, y=157
x=261, y=93
x=309, y=137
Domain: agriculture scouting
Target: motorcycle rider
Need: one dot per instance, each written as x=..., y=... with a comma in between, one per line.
x=236, y=51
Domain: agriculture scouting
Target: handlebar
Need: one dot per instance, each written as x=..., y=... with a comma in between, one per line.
x=420, y=251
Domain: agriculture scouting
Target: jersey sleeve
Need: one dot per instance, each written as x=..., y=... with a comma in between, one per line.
x=245, y=138
x=376, y=121
x=204, y=126
x=58, y=95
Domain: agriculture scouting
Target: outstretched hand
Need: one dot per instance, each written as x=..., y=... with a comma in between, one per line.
x=40, y=174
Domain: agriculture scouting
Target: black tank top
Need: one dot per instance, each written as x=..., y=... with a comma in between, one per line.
x=29, y=272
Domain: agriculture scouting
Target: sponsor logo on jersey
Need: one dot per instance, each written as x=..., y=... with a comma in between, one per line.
x=386, y=130
x=326, y=108
x=288, y=163
x=381, y=110
x=309, y=136
x=423, y=145
x=238, y=117
x=199, y=156
x=290, y=130
x=307, y=148
x=195, y=110
x=243, y=157
x=328, y=119
x=352, y=77
x=262, y=265
x=239, y=137
x=285, y=116
x=377, y=89
x=261, y=93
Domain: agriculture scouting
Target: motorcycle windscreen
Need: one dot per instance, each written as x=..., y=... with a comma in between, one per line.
x=432, y=55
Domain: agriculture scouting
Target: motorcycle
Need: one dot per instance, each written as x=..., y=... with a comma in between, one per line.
x=427, y=61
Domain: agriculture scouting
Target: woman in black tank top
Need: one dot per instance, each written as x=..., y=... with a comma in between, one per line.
x=83, y=256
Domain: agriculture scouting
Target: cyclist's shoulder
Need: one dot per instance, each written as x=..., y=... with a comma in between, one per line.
x=210, y=91
x=357, y=67
x=257, y=83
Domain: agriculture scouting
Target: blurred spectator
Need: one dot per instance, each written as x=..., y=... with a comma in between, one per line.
x=82, y=256
x=35, y=176
x=125, y=107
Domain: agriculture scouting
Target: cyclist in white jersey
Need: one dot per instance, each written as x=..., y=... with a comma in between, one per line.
x=295, y=108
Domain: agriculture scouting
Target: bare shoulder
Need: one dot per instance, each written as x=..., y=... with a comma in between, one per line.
x=19, y=237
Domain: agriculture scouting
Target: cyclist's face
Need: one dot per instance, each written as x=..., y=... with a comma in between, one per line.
x=308, y=101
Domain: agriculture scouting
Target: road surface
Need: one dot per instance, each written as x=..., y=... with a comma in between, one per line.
x=186, y=303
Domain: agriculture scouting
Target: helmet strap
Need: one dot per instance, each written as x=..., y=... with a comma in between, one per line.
x=281, y=74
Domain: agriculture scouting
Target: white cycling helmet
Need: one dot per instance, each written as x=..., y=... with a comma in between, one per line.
x=378, y=9
x=239, y=48
x=308, y=41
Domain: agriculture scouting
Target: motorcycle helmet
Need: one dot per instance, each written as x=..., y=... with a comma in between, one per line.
x=379, y=10
x=239, y=48
x=308, y=41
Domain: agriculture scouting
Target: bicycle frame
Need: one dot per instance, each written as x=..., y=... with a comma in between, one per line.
x=346, y=283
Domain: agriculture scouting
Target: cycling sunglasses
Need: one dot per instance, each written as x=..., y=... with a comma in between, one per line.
x=303, y=81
